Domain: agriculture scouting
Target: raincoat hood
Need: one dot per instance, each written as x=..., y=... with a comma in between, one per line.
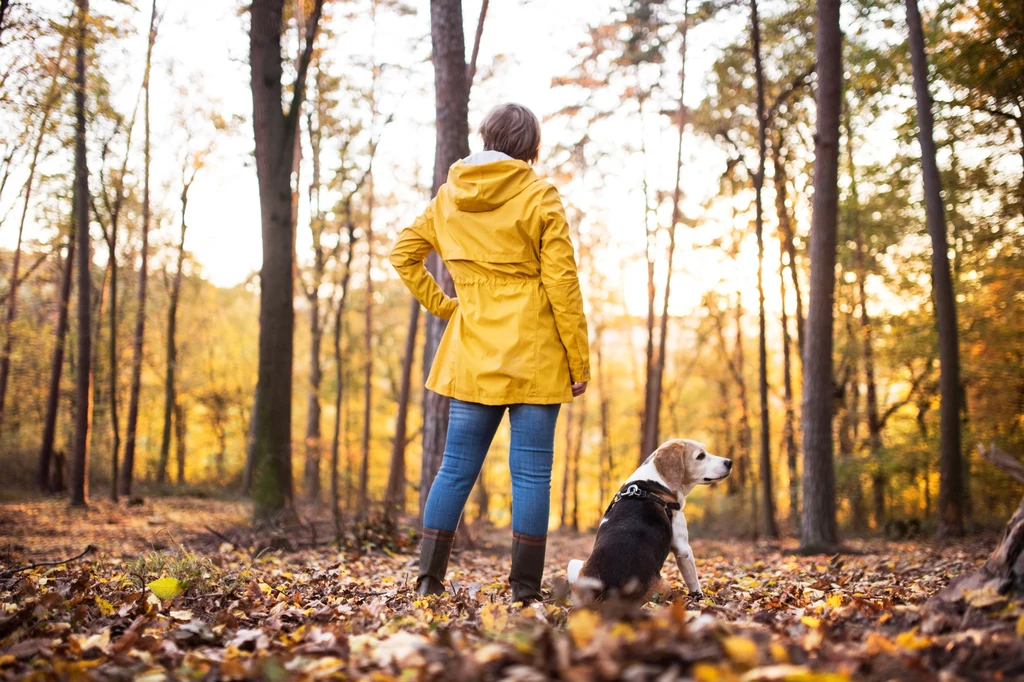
x=487, y=180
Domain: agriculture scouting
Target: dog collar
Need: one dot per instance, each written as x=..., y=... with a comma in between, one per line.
x=635, y=492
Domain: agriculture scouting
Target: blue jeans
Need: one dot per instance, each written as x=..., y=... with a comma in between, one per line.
x=471, y=429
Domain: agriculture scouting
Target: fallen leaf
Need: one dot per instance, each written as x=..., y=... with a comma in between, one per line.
x=741, y=650
x=582, y=625
x=166, y=588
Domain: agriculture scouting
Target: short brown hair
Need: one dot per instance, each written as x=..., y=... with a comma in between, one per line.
x=512, y=129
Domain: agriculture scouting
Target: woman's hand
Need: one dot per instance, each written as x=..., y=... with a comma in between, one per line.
x=579, y=388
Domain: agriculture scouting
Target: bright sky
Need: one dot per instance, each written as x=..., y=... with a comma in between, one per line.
x=203, y=47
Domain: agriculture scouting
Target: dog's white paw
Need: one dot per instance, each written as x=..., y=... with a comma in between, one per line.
x=573, y=571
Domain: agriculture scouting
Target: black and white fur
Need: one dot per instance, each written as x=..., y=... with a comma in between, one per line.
x=636, y=535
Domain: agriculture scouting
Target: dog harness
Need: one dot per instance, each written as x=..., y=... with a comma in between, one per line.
x=635, y=492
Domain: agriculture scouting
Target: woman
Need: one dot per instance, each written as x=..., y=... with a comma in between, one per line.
x=516, y=337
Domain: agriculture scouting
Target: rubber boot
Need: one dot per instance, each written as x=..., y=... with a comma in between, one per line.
x=527, y=566
x=435, y=549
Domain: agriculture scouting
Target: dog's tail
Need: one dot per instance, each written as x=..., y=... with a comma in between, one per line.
x=575, y=566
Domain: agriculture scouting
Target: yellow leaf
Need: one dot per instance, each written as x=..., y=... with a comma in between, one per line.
x=582, y=625
x=835, y=600
x=779, y=653
x=1020, y=626
x=106, y=608
x=166, y=588
x=6, y=660
x=624, y=631
x=876, y=644
x=910, y=640
x=494, y=617
x=741, y=650
x=810, y=621
x=708, y=672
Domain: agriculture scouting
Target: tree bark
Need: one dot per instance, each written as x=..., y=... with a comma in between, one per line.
x=274, y=132
x=769, y=527
x=951, y=484
x=652, y=421
x=57, y=366
x=364, y=469
x=128, y=468
x=339, y=378
x=311, y=473
x=170, y=397
x=786, y=227
x=80, y=452
x=788, y=424
x=48, y=105
x=395, y=498
x=451, y=89
x=818, y=527
x=180, y=430
x=605, y=469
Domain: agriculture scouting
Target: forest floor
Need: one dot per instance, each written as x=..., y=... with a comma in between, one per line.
x=182, y=588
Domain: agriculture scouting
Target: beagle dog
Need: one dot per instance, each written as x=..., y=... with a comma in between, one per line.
x=644, y=522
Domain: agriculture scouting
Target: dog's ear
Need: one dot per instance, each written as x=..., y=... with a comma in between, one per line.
x=670, y=463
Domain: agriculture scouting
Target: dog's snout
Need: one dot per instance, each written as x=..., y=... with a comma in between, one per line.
x=728, y=464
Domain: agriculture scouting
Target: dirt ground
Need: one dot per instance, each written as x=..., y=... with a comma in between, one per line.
x=293, y=603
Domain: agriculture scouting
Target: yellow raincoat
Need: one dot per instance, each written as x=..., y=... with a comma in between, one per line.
x=516, y=330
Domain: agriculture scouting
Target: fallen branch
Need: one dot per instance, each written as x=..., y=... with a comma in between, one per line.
x=12, y=571
x=1002, y=461
x=223, y=537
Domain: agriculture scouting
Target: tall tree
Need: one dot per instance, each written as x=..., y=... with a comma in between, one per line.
x=818, y=525
x=451, y=104
x=49, y=103
x=767, y=494
x=951, y=485
x=172, y=410
x=43, y=472
x=110, y=232
x=652, y=411
x=80, y=452
x=364, y=469
x=128, y=468
x=339, y=371
x=274, y=131
x=395, y=498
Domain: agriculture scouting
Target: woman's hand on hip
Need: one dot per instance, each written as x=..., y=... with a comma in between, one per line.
x=579, y=388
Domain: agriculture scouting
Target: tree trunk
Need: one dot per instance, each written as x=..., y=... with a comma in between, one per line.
x=180, y=429
x=650, y=245
x=951, y=485
x=115, y=444
x=605, y=469
x=170, y=398
x=128, y=468
x=274, y=132
x=788, y=426
x=576, y=452
x=563, y=518
x=339, y=378
x=47, y=106
x=80, y=452
x=57, y=366
x=745, y=438
x=395, y=498
x=818, y=526
x=364, y=468
x=767, y=494
x=652, y=414
x=311, y=473
x=451, y=98
x=779, y=159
